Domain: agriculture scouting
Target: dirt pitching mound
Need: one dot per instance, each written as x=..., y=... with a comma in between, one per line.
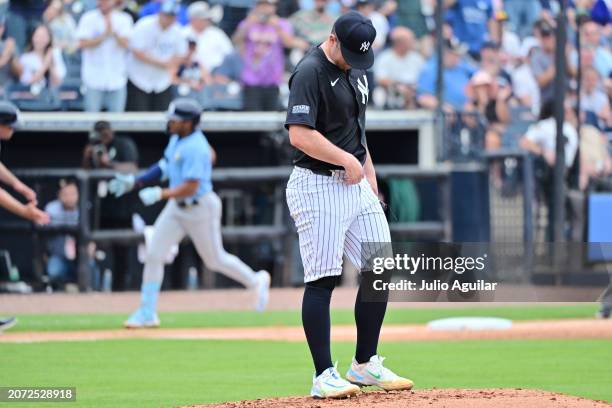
x=448, y=398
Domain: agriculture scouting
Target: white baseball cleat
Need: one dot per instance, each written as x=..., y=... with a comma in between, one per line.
x=142, y=319
x=330, y=385
x=262, y=290
x=374, y=373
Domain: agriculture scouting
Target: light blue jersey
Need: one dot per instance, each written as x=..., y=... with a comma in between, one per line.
x=189, y=158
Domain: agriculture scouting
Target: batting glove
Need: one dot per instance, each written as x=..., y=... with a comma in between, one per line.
x=150, y=195
x=121, y=184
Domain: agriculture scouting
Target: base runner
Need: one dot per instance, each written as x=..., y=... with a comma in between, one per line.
x=193, y=209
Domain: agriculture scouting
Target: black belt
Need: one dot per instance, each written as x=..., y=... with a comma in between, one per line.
x=187, y=204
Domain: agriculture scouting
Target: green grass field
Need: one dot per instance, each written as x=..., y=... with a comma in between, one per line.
x=52, y=322
x=154, y=373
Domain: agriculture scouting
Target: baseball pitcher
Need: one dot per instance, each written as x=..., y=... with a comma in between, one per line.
x=333, y=199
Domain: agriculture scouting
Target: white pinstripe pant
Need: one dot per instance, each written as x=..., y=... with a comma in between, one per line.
x=333, y=219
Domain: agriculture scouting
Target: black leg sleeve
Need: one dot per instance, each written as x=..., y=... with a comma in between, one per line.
x=316, y=321
x=369, y=318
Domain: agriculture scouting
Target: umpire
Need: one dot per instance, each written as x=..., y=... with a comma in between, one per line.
x=333, y=198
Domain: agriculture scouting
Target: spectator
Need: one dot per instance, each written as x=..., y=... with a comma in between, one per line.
x=489, y=98
x=313, y=25
x=543, y=59
x=62, y=26
x=595, y=161
x=591, y=39
x=524, y=84
x=491, y=62
x=410, y=14
x=42, y=65
x=213, y=45
x=129, y=7
x=76, y=8
x=62, y=250
x=368, y=9
x=104, y=38
x=472, y=22
x=541, y=140
x=397, y=69
x=153, y=7
x=23, y=18
x=158, y=47
x=456, y=76
x=594, y=103
x=522, y=15
x=107, y=151
x=7, y=54
x=234, y=11
x=225, y=91
x=261, y=38
x=541, y=137
x=191, y=76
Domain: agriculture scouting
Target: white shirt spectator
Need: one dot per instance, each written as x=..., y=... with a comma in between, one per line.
x=403, y=69
x=524, y=84
x=148, y=36
x=213, y=45
x=31, y=63
x=595, y=102
x=104, y=68
x=381, y=25
x=544, y=134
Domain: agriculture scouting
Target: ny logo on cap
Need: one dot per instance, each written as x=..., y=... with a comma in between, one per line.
x=365, y=46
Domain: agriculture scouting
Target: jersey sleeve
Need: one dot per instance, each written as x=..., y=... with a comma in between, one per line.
x=303, y=98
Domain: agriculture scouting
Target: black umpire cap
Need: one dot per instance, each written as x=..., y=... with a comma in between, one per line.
x=184, y=109
x=9, y=114
x=356, y=34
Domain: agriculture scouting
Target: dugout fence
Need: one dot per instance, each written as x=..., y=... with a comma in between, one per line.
x=279, y=232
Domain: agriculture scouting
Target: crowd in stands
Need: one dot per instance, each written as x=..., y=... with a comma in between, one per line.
x=237, y=54
x=115, y=55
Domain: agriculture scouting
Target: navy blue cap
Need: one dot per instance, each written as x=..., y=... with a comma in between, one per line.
x=356, y=34
x=184, y=109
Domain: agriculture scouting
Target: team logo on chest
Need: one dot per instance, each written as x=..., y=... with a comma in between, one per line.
x=363, y=89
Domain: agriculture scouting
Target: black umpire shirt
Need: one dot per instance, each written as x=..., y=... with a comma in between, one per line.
x=331, y=101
